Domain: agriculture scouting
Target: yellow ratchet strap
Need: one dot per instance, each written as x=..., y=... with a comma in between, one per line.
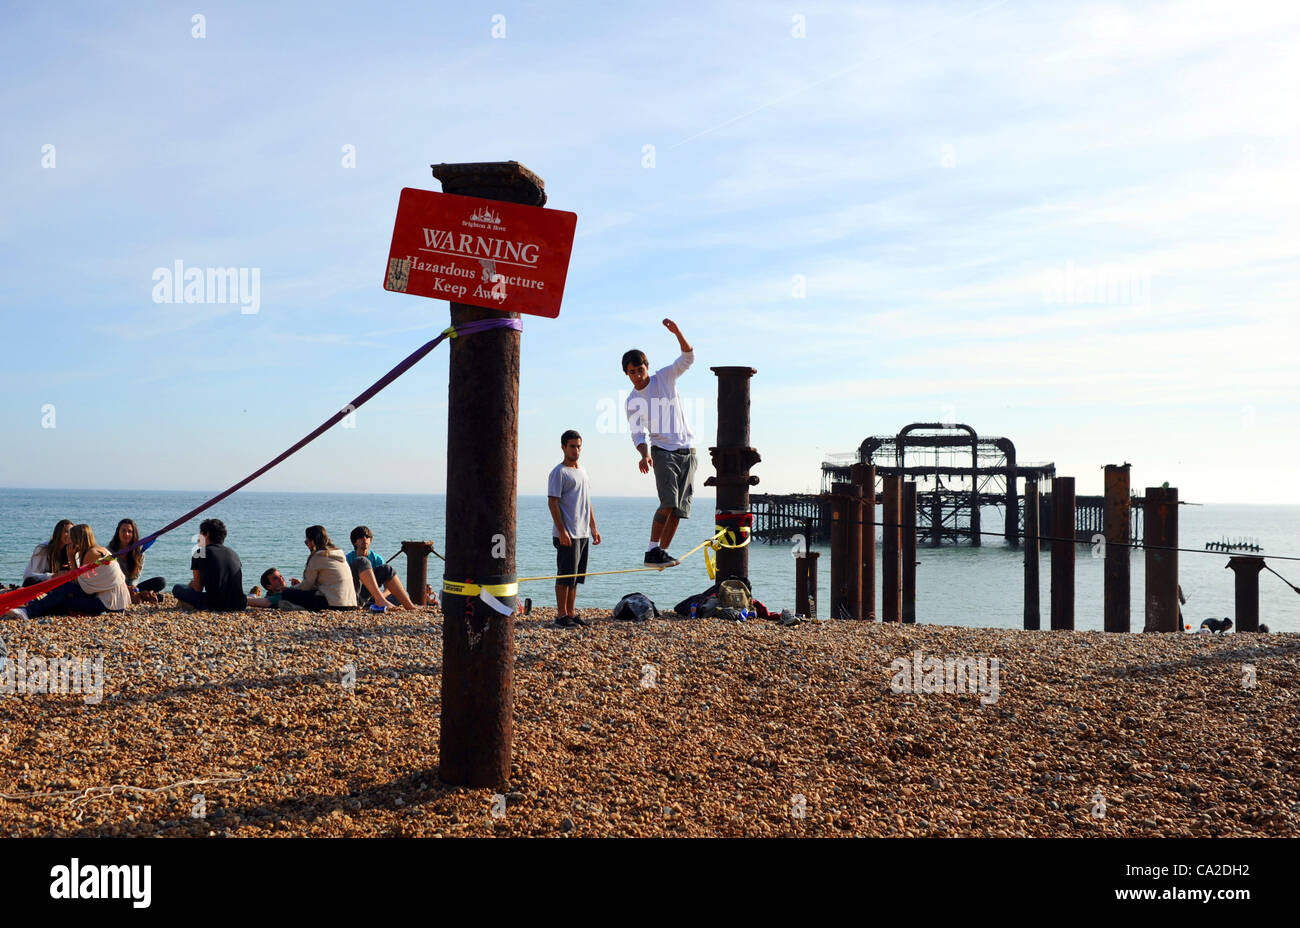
x=731, y=535
x=456, y=588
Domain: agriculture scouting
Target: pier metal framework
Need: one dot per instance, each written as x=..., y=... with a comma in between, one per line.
x=958, y=472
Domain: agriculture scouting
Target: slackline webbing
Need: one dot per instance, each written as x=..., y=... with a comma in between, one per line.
x=20, y=597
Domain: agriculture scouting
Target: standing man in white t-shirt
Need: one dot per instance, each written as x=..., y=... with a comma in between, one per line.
x=664, y=438
x=573, y=527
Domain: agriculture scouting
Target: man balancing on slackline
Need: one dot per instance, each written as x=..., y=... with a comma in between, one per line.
x=664, y=438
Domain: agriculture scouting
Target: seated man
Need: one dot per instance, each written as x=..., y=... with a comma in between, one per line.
x=218, y=583
x=373, y=577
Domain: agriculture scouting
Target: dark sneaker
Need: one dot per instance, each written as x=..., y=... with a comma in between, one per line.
x=579, y=620
x=564, y=621
x=658, y=556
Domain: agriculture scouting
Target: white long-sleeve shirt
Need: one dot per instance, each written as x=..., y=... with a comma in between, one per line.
x=657, y=410
x=38, y=566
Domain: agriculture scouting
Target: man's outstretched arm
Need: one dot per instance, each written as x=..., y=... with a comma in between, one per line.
x=681, y=339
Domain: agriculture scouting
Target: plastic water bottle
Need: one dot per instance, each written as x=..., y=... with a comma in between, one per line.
x=694, y=609
x=744, y=614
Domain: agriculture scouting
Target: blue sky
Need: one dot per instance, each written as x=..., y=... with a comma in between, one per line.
x=946, y=181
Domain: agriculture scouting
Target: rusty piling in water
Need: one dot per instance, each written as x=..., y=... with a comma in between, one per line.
x=732, y=459
x=476, y=730
x=908, y=553
x=805, y=584
x=1161, y=513
x=842, y=566
x=417, y=569
x=1246, y=573
x=1033, y=606
x=891, y=575
x=1118, y=534
x=1063, y=553
x=864, y=477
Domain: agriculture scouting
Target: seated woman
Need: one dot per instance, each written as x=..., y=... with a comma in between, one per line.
x=101, y=590
x=371, y=576
x=146, y=591
x=50, y=557
x=326, y=580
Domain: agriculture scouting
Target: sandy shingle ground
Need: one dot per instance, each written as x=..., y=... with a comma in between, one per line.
x=670, y=727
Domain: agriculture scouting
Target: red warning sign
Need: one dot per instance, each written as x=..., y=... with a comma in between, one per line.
x=502, y=256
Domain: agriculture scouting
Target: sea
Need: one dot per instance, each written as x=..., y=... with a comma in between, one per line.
x=956, y=585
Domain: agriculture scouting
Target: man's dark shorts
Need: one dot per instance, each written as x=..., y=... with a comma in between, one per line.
x=383, y=573
x=674, y=479
x=571, y=560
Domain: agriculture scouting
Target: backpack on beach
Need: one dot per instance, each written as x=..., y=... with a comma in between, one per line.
x=635, y=607
x=734, y=594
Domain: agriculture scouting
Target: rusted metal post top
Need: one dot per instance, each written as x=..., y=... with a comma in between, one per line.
x=734, y=371
x=501, y=180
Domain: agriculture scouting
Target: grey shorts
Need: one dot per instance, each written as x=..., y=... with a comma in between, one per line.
x=674, y=479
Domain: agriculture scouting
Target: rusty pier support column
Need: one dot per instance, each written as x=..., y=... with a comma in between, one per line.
x=1247, y=571
x=864, y=476
x=476, y=731
x=417, y=569
x=843, y=568
x=1063, y=553
x=1161, y=508
x=1033, y=606
x=891, y=574
x=732, y=459
x=1117, y=553
x=805, y=584
x=908, y=553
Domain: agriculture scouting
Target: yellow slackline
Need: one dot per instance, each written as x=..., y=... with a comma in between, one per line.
x=708, y=542
x=456, y=588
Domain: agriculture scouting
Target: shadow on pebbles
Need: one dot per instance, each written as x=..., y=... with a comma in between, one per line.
x=275, y=723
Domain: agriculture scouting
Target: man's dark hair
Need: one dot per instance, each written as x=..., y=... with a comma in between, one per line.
x=635, y=356
x=215, y=529
x=360, y=532
x=569, y=436
x=266, y=576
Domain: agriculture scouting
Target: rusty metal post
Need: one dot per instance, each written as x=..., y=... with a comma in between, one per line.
x=1033, y=606
x=854, y=533
x=908, y=554
x=891, y=575
x=476, y=731
x=841, y=563
x=1161, y=542
x=1063, y=553
x=732, y=459
x=864, y=476
x=936, y=520
x=805, y=584
x=1247, y=571
x=1115, y=527
x=417, y=569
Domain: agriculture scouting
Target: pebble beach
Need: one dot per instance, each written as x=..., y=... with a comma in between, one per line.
x=270, y=723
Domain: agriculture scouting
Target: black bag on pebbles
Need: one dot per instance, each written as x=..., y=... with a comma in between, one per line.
x=635, y=607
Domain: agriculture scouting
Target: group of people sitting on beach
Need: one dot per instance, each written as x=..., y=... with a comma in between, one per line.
x=330, y=580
